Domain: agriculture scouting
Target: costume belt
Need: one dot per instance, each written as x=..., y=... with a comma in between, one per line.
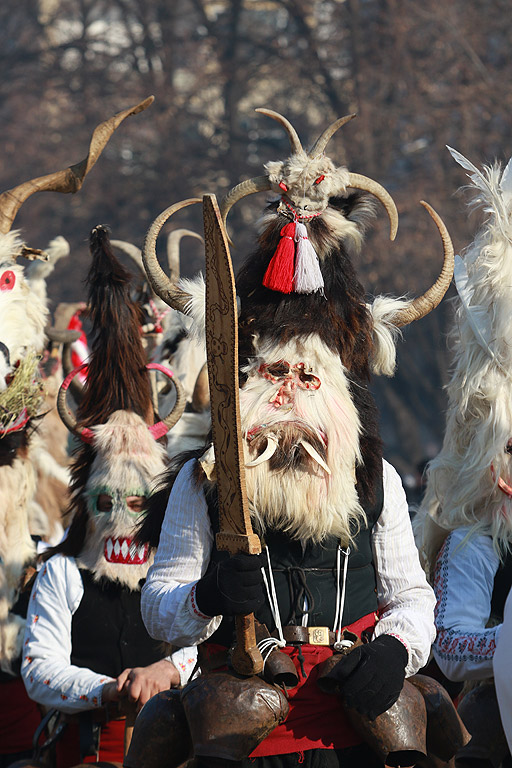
x=298, y=635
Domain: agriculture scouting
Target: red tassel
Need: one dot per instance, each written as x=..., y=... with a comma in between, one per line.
x=279, y=274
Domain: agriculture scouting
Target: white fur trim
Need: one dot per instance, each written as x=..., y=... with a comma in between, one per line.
x=385, y=335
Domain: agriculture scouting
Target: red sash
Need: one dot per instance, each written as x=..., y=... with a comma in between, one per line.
x=316, y=720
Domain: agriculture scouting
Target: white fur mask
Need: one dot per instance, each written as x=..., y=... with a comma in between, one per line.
x=301, y=444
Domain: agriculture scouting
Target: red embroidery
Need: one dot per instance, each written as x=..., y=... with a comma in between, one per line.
x=194, y=604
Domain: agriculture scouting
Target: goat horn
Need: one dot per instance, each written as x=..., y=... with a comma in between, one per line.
x=356, y=181
x=201, y=393
x=315, y=455
x=271, y=448
x=173, y=250
x=157, y=430
x=61, y=335
x=322, y=141
x=245, y=188
x=179, y=406
x=290, y=130
x=70, y=179
x=422, y=305
x=167, y=289
x=65, y=412
x=76, y=386
x=131, y=250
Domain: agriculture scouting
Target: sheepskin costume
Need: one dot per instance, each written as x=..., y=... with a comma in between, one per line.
x=469, y=483
x=119, y=458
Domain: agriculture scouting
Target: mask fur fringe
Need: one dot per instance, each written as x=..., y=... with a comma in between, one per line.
x=127, y=460
x=298, y=496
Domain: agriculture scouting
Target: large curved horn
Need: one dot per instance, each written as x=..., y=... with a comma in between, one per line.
x=173, y=250
x=179, y=406
x=201, y=393
x=290, y=130
x=322, y=141
x=61, y=335
x=132, y=251
x=157, y=430
x=424, y=304
x=356, y=181
x=245, y=188
x=167, y=289
x=70, y=179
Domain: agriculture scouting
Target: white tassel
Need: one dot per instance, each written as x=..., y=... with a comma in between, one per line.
x=308, y=277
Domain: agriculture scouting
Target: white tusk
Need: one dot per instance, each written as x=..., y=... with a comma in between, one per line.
x=272, y=446
x=315, y=455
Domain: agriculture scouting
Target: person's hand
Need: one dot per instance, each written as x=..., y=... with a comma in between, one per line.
x=370, y=678
x=139, y=684
x=109, y=692
x=233, y=587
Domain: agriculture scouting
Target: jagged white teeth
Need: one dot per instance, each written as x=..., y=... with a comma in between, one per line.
x=272, y=446
x=315, y=455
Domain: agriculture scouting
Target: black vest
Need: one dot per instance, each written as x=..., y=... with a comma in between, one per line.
x=107, y=631
x=309, y=570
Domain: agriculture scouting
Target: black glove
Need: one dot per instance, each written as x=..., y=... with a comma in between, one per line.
x=233, y=587
x=371, y=676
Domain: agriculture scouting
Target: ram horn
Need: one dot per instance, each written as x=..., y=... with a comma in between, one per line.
x=290, y=130
x=70, y=179
x=201, y=393
x=167, y=289
x=356, y=181
x=422, y=305
x=131, y=250
x=245, y=188
x=173, y=250
x=322, y=141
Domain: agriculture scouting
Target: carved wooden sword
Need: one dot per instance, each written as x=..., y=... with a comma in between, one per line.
x=235, y=534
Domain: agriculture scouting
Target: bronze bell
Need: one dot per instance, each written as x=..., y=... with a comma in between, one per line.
x=446, y=732
x=397, y=736
x=161, y=736
x=480, y=713
x=229, y=715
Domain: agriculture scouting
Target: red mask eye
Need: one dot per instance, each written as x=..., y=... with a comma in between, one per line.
x=320, y=178
x=7, y=280
x=283, y=186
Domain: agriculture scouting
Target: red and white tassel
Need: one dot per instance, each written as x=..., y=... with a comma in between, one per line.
x=308, y=276
x=279, y=274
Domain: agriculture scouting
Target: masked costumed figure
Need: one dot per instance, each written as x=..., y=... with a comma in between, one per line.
x=465, y=523
x=23, y=450
x=85, y=644
x=339, y=561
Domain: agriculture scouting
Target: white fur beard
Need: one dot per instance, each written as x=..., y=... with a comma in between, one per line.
x=306, y=501
x=93, y=557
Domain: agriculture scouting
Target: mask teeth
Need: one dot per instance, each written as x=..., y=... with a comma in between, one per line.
x=315, y=456
x=272, y=446
x=125, y=551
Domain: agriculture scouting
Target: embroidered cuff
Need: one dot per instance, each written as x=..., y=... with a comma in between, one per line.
x=400, y=638
x=193, y=605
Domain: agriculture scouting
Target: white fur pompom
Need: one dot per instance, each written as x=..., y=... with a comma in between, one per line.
x=385, y=334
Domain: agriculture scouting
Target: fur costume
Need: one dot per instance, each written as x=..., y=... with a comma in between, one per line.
x=317, y=487
x=468, y=483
